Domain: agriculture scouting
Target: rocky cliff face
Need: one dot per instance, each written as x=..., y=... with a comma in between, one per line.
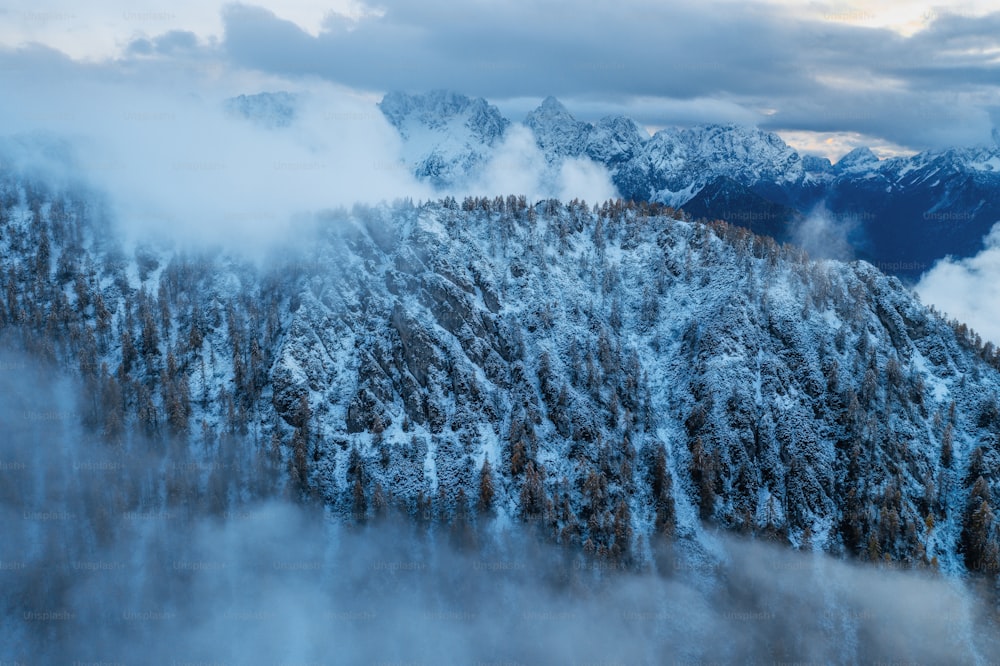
x=616, y=376
x=447, y=137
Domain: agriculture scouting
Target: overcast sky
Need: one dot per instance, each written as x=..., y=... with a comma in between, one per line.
x=904, y=76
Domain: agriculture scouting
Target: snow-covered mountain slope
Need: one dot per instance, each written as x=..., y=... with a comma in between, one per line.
x=858, y=162
x=447, y=137
x=913, y=211
x=685, y=160
x=615, y=376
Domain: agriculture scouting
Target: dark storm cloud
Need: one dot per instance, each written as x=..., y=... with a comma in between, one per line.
x=934, y=88
x=552, y=48
x=938, y=88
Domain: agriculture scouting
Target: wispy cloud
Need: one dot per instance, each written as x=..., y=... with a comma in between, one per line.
x=968, y=289
x=174, y=161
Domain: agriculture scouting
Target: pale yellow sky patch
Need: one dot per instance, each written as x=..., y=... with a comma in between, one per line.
x=834, y=145
x=905, y=17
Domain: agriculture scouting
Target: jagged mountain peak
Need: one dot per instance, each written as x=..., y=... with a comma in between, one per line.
x=731, y=135
x=435, y=108
x=815, y=163
x=621, y=123
x=397, y=103
x=447, y=136
x=683, y=160
x=552, y=106
x=556, y=131
x=859, y=157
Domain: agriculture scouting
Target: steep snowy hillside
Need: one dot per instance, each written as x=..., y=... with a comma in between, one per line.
x=615, y=375
x=678, y=377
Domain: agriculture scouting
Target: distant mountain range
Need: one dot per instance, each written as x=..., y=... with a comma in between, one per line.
x=901, y=214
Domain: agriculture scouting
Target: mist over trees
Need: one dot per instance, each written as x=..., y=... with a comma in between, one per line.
x=116, y=553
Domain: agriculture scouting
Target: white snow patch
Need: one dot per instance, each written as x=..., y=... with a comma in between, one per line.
x=937, y=386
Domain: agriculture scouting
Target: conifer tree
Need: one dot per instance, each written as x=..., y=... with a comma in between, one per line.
x=980, y=545
x=486, y=490
x=380, y=503
x=359, y=506
x=661, y=487
x=621, y=549
x=532, y=493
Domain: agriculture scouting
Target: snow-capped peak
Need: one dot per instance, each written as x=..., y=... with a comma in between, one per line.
x=685, y=160
x=556, y=131
x=859, y=159
x=551, y=107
